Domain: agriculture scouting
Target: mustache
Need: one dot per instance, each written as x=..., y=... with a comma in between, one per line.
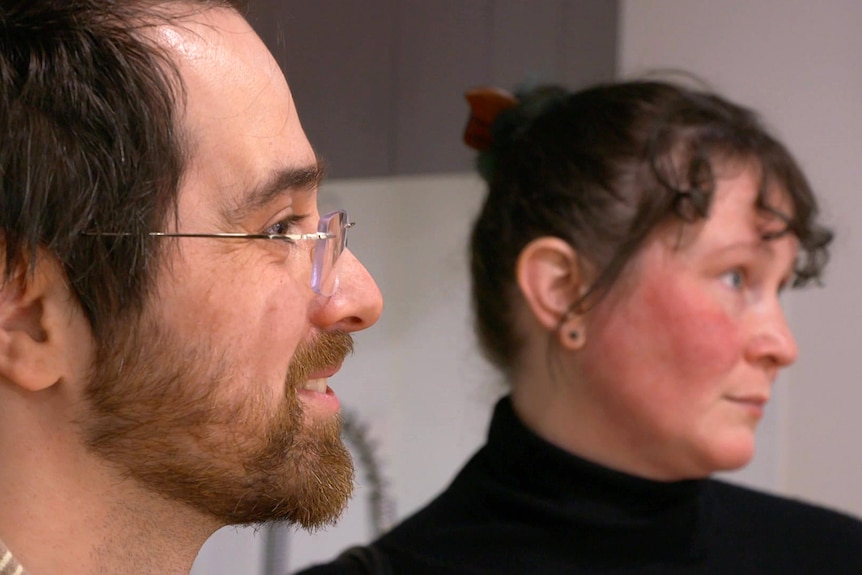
x=327, y=349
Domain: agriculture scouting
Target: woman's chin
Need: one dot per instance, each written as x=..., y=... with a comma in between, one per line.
x=731, y=455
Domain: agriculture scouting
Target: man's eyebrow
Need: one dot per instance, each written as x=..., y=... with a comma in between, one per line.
x=281, y=181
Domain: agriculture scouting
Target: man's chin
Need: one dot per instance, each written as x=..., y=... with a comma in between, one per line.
x=324, y=486
x=319, y=469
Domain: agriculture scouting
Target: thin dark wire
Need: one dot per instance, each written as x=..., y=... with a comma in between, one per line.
x=382, y=504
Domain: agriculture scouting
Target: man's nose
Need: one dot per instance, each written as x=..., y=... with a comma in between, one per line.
x=356, y=304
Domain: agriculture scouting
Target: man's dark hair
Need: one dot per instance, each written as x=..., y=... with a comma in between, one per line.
x=89, y=116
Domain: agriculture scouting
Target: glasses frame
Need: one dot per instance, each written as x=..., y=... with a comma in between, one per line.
x=319, y=249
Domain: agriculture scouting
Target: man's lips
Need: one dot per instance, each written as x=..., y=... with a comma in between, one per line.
x=317, y=381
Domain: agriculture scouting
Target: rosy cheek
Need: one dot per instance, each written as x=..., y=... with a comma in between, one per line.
x=696, y=331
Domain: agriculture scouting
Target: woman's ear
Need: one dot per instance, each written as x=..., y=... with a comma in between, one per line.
x=551, y=277
x=36, y=325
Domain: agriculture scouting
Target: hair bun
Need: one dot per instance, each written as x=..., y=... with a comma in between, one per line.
x=486, y=103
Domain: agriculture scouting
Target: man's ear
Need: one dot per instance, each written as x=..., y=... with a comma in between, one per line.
x=36, y=322
x=552, y=279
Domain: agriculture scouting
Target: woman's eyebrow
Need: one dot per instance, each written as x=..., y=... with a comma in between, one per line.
x=768, y=217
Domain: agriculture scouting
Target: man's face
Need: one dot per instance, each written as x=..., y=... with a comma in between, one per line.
x=217, y=397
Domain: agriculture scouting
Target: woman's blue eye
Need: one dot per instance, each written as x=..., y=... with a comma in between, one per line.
x=734, y=279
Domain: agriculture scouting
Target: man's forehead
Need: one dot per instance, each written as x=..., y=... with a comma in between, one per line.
x=240, y=125
x=199, y=34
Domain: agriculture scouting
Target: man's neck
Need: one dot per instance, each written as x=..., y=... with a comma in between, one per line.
x=65, y=511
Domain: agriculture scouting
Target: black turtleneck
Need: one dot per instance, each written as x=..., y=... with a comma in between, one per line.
x=524, y=506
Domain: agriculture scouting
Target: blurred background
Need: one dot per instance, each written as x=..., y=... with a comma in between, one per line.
x=379, y=85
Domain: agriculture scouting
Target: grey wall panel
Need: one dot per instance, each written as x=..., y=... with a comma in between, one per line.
x=443, y=47
x=379, y=83
x=526, y=42
x=588, y=42
x=338, y=60
x=564, y=41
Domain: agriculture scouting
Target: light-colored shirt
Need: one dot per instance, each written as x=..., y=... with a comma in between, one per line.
x=8, y=564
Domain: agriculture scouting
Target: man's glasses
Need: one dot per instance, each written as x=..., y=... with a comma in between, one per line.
x=329, y=242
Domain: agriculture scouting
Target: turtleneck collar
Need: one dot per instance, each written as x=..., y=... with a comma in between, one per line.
x=638, y=518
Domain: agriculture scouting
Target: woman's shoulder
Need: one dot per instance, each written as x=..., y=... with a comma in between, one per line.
x=771, y=506
x=358, y=560
x=811, y=531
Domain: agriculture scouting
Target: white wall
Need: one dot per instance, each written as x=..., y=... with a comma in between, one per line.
x=798, y=63
x=415, y=377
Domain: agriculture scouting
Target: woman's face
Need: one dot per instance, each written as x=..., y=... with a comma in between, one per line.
x=679, y=359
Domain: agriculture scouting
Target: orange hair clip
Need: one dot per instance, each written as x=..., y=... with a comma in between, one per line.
x=485, y=104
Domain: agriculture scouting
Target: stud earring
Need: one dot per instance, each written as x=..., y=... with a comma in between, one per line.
x=574, y=334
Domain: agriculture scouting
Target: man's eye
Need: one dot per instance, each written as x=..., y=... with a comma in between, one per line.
x=285, y=226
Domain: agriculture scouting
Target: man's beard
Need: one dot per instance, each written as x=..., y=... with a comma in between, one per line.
x=168, y=413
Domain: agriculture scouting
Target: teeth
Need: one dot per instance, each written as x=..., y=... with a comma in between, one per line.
x=318, y=385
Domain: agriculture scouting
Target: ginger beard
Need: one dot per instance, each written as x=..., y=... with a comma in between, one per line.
x=161, y=408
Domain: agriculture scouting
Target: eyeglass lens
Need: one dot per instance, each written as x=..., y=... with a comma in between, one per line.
x=324, y=275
